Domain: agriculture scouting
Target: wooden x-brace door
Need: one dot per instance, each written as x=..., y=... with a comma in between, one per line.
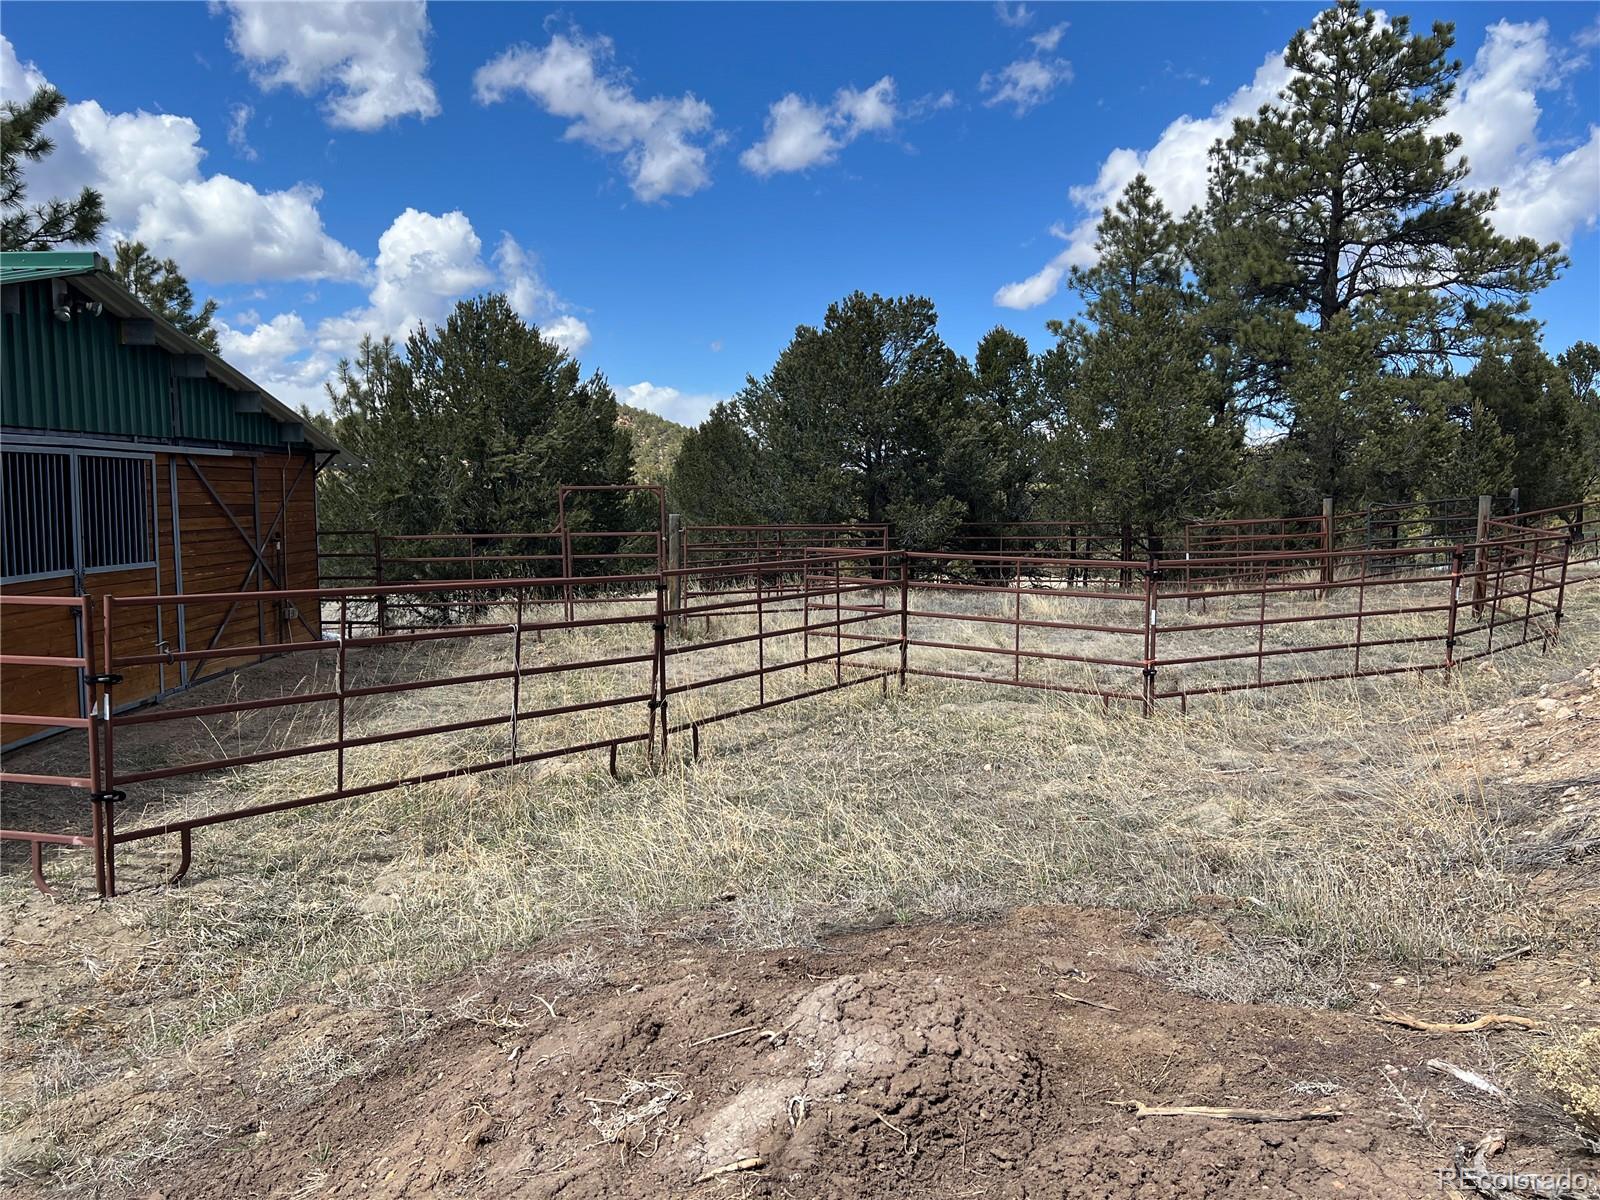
x=264, y=571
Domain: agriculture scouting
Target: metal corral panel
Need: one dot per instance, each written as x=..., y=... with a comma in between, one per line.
x=76, y=376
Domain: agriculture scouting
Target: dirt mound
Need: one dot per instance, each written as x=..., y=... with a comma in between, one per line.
x=866, y=1053
x=932, y=1062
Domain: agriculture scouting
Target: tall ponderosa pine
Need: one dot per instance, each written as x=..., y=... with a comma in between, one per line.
x=1346, y=196
x=55, y=222
x=161, y=285
x=1140, y=392
x=1346, y=262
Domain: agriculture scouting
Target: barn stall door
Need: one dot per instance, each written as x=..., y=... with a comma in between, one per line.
x=234, y=517
x=76, y=523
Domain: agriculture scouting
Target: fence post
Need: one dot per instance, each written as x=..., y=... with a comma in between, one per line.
x=658, y=670
x=378, y=577
x=566, y=568
x=1455, y=604
x=1327, y=543
x=905, y=590
x=106, y=799
x=83, y=619
x=675, y=583
x=1149, y=637
x=1480, y=557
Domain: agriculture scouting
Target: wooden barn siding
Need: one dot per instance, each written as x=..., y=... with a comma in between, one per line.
x=45, y=691
x=213, y=557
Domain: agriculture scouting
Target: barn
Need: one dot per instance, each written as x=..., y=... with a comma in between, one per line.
x=138, y=463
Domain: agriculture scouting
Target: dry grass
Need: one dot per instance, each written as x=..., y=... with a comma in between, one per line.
x=1340, y=820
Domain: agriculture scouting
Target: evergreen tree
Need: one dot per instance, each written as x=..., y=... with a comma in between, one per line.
x=390, y=479
x=1346, y=266
x=1580, y=362
x=1531, y=401
x=1142, y=396
x=717, y=478
x=1343, y=195
x=55, y=222
x=515, y=419
x=997, y=461
x=852, y=420
x=162, y=286
x=471, y=429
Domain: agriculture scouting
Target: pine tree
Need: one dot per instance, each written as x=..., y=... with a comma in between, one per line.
x=999, y=460
x=1347, y=266
x=515, y=419
x=1580, y=362
x=55, y=222
x=162, y=286
x=852, y=421
x=1343, y=195
x=471, y=429
x=716, y=478
x=1531, y=401
x=1142, y=396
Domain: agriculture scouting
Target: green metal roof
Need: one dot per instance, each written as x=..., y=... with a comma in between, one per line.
x=79, y=377
x=21, y=266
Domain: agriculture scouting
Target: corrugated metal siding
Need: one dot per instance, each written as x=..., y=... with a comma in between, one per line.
x=76, y=377
x=206, y=409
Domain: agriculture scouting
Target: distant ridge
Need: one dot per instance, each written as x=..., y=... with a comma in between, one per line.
x=656, y=442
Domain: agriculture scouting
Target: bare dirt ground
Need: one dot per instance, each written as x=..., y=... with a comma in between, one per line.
x=933, y=946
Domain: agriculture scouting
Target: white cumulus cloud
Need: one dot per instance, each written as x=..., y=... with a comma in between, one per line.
x=534, y=299
x=148, y=166
x=1047, y=41
x=1025, y=83
x=371, y=59
x=688, y=408
x=1028, y=81
x=425, y=263
x=663, y=141
x=1014, y=16
x=800, y=134
x=1546, y=192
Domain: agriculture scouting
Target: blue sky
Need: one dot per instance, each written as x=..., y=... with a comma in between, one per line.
x=671, y=189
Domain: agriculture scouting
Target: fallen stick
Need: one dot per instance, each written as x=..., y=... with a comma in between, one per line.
x=717, y=1037
x=1253, y=1115
x=1487, y=1021
x=1509, y=954
x=772, y=1035
x=1090, y=1003
x=743, y=1164
x=1471, y=1078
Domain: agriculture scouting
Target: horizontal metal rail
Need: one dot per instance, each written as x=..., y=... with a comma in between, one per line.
x=814, y=617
